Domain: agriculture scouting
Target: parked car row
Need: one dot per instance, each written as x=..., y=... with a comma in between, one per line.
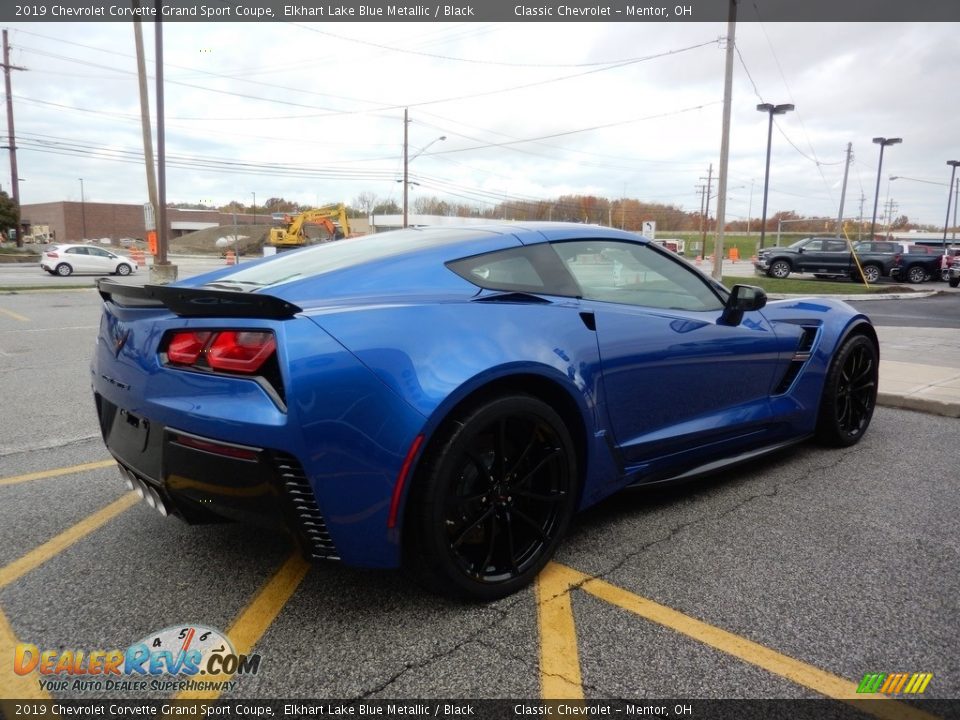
x=830, y=257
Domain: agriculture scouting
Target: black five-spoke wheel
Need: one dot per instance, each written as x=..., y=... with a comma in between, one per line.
x=849, y=393
x=495, y=497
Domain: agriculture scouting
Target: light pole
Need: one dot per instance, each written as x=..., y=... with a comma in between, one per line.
x=882, y=142
x=407, y=160
x=83, y=210
x=771, y=110
x=953, y=173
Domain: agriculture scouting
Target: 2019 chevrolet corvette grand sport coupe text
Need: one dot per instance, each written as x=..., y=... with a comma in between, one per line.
x=446, y=399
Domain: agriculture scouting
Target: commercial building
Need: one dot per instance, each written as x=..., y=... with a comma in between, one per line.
x=77, y=221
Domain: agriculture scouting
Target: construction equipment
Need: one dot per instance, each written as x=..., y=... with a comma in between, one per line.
x=333, y=218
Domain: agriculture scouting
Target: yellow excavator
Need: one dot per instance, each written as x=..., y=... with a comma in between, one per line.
x=333, y=218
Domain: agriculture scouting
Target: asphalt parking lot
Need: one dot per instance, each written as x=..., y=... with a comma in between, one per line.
x=789, y=578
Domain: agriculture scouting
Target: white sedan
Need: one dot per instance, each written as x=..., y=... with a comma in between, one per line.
x=65, y=260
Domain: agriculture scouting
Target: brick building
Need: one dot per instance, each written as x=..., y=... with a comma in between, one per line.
x=75, y=221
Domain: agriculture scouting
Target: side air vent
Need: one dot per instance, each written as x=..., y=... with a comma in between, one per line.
x=800, y=356
x=296, y=488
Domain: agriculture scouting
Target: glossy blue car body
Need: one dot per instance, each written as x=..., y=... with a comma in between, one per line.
x=387, y=341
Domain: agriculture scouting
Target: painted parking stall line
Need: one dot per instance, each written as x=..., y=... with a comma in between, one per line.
x=57, y=472
x=559, y=580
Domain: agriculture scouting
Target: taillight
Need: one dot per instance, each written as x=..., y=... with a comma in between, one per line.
x=185, y=347
x=239, y=351
x=52, y=254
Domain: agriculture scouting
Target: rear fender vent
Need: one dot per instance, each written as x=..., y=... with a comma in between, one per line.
x=295, y=487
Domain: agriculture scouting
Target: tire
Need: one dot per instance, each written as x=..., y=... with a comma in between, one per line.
x=779, y=269
x=849, y=393
x=63, y=270
x=954, y=282
x=123, y=269
x=492, y=500
x=871, y=273
x=916, y=274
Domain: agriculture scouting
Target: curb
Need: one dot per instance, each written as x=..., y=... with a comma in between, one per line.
x=931, y=406
x=859, y=298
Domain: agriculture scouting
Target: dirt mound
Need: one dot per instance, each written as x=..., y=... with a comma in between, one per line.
x=247, y=239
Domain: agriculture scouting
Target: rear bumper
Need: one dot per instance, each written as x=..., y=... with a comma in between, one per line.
x=200, y=479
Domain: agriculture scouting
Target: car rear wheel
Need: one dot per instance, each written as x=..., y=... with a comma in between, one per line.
x=954, y=282
x=63, y=270
x=849, y=393
x=871, y=273
x=917, y=274
x=123, y=269
x=780, y=269
x=493, y=499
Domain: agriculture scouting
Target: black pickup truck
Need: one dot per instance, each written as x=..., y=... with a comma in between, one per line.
x=830, y=257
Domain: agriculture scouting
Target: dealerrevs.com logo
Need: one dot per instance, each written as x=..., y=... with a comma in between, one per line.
x=184, y=657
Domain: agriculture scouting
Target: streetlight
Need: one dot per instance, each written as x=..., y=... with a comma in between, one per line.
x=772, y=110
x=882, y=142
x=953, y=172
x=83, y=210
x=407, y=160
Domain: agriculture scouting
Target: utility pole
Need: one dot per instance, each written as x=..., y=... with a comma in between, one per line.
x=144, y=109
x=843, y=192
x=706, y=213
x=162, y=271
x=725, y=143
x=12, y=139
x=406, y=122
x=863, y=199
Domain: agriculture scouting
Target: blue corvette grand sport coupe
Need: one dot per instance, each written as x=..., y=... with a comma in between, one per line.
x=446, y=399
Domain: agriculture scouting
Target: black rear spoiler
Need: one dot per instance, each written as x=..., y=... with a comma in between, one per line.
x=197, y=302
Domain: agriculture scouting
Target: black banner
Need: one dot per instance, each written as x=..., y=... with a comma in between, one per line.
x=484, y=709
x=638, y=11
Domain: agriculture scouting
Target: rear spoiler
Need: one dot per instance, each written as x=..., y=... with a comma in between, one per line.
x=197, y=302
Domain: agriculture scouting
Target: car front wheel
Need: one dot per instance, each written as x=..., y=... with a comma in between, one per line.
x=849, y=393
x=123, y=269
x=493, y=499
x=780, y=269
x=954, y=281
x=63, y=270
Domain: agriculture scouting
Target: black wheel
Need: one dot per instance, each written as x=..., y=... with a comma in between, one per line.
x=917, y=274
x=63, y=270
x=123, y=269
x=871, y=273
x=954, y=281
x=779, y=269
x=494, y=496
x=849, y=393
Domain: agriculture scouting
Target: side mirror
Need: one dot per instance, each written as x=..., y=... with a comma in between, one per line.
x=743, y=298
x=799, y=249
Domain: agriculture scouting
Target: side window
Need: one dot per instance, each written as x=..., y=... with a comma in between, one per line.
x=77, y=251
x=532, y=268
x=813, y=246
x=634, y=274
x=836, y=246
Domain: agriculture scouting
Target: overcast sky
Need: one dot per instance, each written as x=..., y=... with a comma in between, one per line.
x=313, y=112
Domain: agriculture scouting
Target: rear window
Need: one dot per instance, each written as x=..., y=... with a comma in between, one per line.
x=332, y=256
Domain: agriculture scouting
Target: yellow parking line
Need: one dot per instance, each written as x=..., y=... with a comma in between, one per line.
x=257, y=617
x=58, y=472
x=15, y=316
x=13, y=686
x=799, y=672
x=57, y=544
x=559, y=661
